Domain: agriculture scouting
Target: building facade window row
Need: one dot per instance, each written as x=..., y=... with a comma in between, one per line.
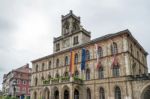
x=114, y=50
x=100, y=72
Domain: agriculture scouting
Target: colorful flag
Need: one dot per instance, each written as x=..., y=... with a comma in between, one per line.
x=83, y=59
x=71, y=63
x=98, y=62
x=115, y=62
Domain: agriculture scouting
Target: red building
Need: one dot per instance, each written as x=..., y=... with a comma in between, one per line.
x=22, y=77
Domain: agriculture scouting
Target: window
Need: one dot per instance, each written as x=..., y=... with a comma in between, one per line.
x=131, y=49
x=116, y=71
x=75, y=26
x=23, y=89
x=87, y=74
x=42, y=77
x=76, y=58
x=57, y=47
x=35, y=95
x=87, y=55
x=76, y=94
x=18, y=81
x=43, y=66
x=66, y=60
x=88, y=93
x=49, y=76
x=100, y=52
x=36, y=68
x=101, y=73
x=138, y=55
x=75, y=40
x=101, y=93
x=114, y=49
x=76, y=73
x=117, y=93
x=66, y=74
x=49, y=64
x=24, y=82
x=57, y=63
x=66, y=28
x=36, y=80
x=57, y=75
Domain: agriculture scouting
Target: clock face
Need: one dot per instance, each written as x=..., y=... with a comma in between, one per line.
x=66, y=43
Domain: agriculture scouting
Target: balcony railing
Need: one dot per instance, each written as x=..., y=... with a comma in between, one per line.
x=62, y=80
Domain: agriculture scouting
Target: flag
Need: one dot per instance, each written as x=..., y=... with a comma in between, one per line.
x=115, y=62
x=98, y=62
x=71, y=69
x=83, y=59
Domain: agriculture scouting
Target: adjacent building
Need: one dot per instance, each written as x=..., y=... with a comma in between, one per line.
x=17, y=82
x=113, y=66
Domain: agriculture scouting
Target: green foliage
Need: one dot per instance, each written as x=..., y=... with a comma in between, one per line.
x=7, y=97
x=46, y=81
x=65, y=78
x=77, y=79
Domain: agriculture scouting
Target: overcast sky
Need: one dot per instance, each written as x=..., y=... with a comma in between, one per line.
x=27, y=27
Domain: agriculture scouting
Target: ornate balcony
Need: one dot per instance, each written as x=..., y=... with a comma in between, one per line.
x=66, y=79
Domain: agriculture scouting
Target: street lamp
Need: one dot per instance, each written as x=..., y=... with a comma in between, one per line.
x=14, y=88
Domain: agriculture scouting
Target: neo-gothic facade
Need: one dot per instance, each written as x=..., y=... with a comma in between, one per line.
x=122, y=74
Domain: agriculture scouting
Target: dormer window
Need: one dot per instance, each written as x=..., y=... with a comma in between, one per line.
x=75, y=40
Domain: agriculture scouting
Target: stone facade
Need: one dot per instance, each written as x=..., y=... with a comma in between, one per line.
x=130, y=81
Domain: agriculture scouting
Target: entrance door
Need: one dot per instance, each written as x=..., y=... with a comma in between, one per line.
x=66, y=94
x=56, y=94
x=146, y=94
x=22, y=96
x=76, y=94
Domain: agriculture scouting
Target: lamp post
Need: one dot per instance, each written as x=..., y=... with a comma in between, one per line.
x=14, y=88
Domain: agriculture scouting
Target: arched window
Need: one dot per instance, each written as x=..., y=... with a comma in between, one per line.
x=114, y=48
x=66, y=74
x=116, y=71
x=88, y=93
x=49, y=64
x=49, y=76
x=76, y=73
x=56, y=94
x=66, y=60
x=146, y=93
x=35, y=95
x=117, y=93
x=76, y=58
x=66, y=27
x=101, y=93
x=100, y=73
x=57, y=75
x=46, y=93
x=57, y=63
x=87, y=55
x=87, y=74
x=36, y=68
x=76, y=94
x=100, y=52
x=43, y=66
x=36, y=80
x=66, y=94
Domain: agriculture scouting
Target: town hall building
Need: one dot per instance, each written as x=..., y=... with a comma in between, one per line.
x=113, y=66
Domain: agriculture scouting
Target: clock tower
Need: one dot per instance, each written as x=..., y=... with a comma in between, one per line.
x=72, y=33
